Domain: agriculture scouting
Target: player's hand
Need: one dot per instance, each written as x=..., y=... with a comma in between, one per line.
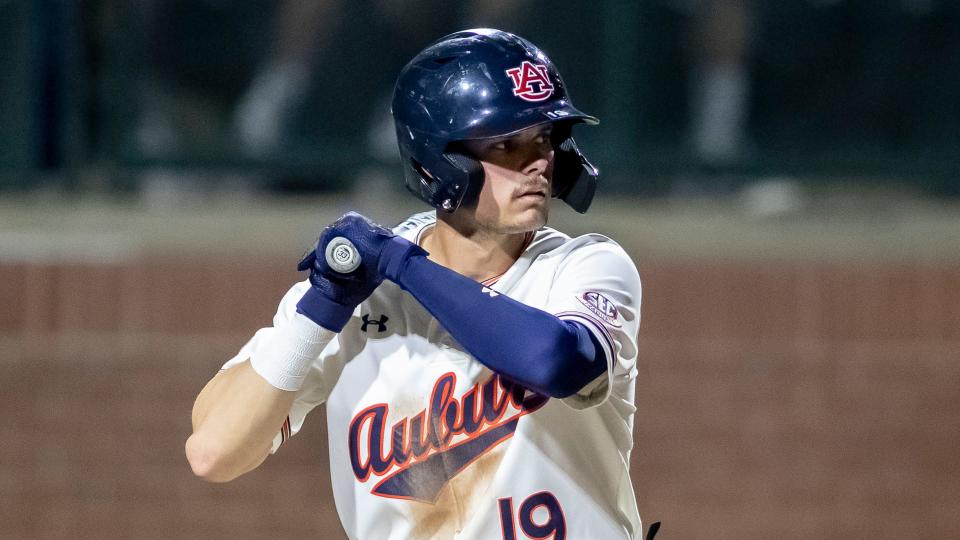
x=381, y=252
x=345, y=289
x=333, y=295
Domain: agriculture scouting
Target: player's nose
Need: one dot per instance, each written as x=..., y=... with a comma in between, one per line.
x=538, y=162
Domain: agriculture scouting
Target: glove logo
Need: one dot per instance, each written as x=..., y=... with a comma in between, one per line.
x=531, y=82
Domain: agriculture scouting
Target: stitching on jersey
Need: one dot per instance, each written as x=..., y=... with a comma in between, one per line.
x=419, y=238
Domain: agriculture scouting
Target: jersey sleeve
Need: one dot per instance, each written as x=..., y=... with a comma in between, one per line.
x=597, y=285
x=317, y=384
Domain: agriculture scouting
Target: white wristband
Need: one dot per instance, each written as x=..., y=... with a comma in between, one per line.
x=285, y=359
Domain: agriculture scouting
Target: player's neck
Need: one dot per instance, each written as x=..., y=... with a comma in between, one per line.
x=475, y=253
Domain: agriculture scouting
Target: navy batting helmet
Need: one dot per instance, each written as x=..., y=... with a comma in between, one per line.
x=477, y=84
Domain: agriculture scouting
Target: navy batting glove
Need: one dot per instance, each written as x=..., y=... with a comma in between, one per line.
x=382, y=253
x=333, y=297
x=330, y=301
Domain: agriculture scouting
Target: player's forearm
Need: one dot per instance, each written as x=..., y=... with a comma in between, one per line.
x=241, y=410
x=235, y=419
x=533, y=347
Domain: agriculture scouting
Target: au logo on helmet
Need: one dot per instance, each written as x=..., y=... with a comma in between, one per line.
x=531, y=82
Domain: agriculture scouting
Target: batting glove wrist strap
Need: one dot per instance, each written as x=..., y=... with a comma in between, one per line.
x=324, y=311
x=286, y=358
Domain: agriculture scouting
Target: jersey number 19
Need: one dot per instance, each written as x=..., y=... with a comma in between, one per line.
x=551, y=525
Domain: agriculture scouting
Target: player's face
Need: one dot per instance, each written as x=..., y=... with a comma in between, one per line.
x=515, y=196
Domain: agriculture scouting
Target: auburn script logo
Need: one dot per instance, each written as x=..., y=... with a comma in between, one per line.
x=419, y=455
x=531, y=81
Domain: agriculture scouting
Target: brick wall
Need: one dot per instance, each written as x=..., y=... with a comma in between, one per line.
x=775, y=401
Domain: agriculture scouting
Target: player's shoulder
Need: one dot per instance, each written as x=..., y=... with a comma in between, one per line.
x=412, y=227
x=551, y=243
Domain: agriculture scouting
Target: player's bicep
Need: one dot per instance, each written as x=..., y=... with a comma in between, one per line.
x=598, y=287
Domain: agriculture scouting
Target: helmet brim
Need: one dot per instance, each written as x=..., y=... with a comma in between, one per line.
x=550, y=113
x=568, y=112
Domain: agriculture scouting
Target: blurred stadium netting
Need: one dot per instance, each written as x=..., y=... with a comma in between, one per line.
x=784, y=173
x=694, y=94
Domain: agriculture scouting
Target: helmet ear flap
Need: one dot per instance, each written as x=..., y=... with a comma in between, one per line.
x=462, y=194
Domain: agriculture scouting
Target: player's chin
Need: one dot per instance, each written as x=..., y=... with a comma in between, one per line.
x=530, y=217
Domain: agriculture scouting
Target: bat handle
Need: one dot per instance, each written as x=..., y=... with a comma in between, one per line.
x=341, y=255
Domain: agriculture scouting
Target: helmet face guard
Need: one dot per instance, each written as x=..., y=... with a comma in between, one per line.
x=479, y=84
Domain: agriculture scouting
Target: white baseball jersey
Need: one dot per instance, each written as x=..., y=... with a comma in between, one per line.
x=427, y=443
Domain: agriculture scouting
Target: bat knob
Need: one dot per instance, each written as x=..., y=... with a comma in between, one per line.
x=341, y=255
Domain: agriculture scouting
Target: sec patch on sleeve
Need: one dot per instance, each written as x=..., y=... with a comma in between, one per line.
x=601, y=306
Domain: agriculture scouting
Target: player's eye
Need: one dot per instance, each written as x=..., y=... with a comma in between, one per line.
x=544, y=137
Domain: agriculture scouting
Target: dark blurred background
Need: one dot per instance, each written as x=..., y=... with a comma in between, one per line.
x=784, y=173
x=299, y=91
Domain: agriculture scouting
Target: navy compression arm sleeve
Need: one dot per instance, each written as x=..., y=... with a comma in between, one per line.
x=532, y=347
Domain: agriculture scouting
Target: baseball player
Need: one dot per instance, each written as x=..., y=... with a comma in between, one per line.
x=477, y=367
